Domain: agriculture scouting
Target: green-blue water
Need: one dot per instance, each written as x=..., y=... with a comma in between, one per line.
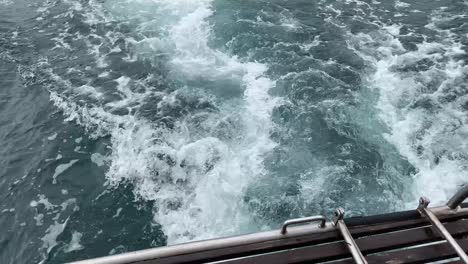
x=133, y=124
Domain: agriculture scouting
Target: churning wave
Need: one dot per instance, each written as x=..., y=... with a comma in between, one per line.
x=231, y=116
x=197, y=147
x=422, y=98
x=196, y=164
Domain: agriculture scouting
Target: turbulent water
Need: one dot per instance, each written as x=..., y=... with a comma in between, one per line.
x=128, y=124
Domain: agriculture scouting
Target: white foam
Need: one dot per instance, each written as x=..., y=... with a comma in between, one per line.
x=196, y=177
x=289, y=22
x=52, y=137
x=56, y=228
x=61, y=168
x=117, y=213
x=69, y=202
x=98, y=159
x=53, y=231
x=44, y=201
x=39, y=218
x=194, y=201
x=104, y=74
x=432, y=139
x=74, y=244
x=8, y=210
x=89, y=90
x=400, y=4
x=393, y=29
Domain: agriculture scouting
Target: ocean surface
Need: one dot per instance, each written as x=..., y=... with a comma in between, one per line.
x=129, y=124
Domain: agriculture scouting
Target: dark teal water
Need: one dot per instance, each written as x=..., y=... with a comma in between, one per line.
x=133, y=124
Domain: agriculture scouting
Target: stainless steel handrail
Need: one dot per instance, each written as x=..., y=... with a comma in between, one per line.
x=458, y=198
x=303, y=220
x=348, y=238
x=206, y=245
x=452, y=208
x=424, y=211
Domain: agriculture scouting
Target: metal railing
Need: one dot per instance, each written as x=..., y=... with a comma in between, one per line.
x=304, y=220
x=302, y=227
x=453, y=204
x=348, y=238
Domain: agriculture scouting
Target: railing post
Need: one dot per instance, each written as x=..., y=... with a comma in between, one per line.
x=458, y=198
x=348, y=238
x=424, y=211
